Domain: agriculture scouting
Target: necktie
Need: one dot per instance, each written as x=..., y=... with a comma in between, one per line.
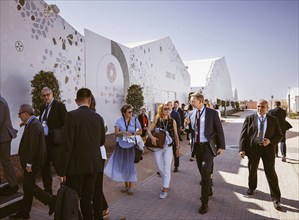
x=45, y=117
x=261, y=134
x=198, y=127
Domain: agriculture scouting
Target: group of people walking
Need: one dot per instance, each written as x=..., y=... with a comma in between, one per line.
x=79, y=157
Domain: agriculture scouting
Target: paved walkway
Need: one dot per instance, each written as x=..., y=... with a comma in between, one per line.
x=229, y=201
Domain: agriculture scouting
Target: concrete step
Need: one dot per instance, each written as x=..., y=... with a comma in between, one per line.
x=9, y=204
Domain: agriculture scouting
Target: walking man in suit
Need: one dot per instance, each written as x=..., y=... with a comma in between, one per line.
x=32, y=152
x=52, y=115
x=280, y=114
x=7, y=133
x=176, y=116
x=259, y=135
x=206, y=129
x=81, y=161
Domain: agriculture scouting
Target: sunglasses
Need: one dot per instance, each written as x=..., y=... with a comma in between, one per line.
x=45, y=95
x=261, y=106
x=20, y=113
x=129, y=112
x=165, y=109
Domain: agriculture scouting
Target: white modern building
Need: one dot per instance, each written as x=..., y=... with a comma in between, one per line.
x=34, y=37
x=211, y=77
x=293, y=98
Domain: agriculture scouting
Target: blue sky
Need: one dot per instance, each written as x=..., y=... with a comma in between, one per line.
x=259, y=39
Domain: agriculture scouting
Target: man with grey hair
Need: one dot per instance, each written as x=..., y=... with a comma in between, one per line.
x=7, y=133
x=32, y=152
x=52, y=115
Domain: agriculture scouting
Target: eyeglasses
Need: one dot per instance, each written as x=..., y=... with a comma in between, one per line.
x=45, y=95
x=261, y=106
x=20, y=113
x=129, y=112
x=165, y=109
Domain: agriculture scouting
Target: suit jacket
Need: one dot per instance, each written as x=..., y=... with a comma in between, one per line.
x=7, y=132
x=280, y=114
x=56, y=115
x=213, y=127
x=176, y=116
x=249, y=133
x=84, y=133
x=32, y=147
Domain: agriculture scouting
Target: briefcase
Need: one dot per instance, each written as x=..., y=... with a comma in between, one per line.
x=213, y=146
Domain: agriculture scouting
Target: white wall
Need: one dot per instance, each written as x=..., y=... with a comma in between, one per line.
x=32, y=40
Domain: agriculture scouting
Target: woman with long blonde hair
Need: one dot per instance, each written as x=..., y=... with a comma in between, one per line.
x=164, y=156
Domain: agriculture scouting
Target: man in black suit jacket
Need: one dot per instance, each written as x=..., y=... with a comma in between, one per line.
x=176, y=116
x=206, y=129
x=32, y=152
x=259, y=135
x=280, y=114
x=81, y=161
x=52, y=115
x=7, y=133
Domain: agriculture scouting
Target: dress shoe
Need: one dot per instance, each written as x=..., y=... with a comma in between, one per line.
x=10, y=190
x=277, y=205
x=176, y=170
x=283, y=159
x=203, y=208
x=52, y=205
x=20, y=215
x=250, y=191
x=211, y=192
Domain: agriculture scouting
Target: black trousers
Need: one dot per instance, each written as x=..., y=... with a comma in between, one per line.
x=204, y=159
x=32, y=190
x=175, y=158
x=84, y=185
x=53, y=152
x=99, y=200
x=268, y=157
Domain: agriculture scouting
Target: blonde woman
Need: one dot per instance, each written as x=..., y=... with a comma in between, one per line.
x=164, y=156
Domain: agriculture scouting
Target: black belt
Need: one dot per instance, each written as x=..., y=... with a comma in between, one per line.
x=201, y=143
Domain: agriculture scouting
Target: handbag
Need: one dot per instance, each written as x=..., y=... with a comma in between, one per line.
x=137, y=150
x=57, y=135
x=160, y=135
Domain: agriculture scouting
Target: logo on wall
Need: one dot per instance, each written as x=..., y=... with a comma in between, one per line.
x=111, y=72
x=19, y=46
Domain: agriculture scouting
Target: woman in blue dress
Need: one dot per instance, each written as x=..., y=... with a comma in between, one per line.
x=120, y=166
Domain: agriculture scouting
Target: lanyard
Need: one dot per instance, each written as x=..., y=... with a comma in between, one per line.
x=200, y=113
x=127, y=125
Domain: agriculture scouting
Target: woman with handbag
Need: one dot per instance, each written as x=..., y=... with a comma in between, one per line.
x=120, y=166
x=164, y=156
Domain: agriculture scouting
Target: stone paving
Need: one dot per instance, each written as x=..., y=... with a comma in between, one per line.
x=229, y=201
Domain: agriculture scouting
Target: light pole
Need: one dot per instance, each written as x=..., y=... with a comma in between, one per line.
x=272, y=101
x=289, y=101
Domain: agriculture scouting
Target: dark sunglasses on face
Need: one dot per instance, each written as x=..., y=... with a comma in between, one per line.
x=45, y=95
x=20, y=113
x=261, y=106
x=129, y=112
x=165, y=109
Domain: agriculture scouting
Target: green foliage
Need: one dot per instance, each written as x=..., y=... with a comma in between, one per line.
x=227, y=103
x=39, y=81
x=135, y=97
x=237, y=104
x=218, y=101
x=232, y=103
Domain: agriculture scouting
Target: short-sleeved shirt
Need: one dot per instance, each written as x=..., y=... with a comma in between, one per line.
x=120, y=123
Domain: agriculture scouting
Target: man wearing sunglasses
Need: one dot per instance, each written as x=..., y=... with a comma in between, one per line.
x=52, y=115
x=259, y=136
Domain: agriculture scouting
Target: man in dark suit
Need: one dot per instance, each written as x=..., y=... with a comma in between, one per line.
x=32, y=152
x=206, y=129
x=81, y=161
x=280, y=114
x=259, y=135
x=176, y=116
x=7, y=133
x=52, y=115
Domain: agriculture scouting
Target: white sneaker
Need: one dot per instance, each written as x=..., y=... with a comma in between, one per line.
x=163, y=195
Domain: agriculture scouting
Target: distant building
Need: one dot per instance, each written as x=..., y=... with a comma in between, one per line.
x=211, y=78
x=294, y=99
